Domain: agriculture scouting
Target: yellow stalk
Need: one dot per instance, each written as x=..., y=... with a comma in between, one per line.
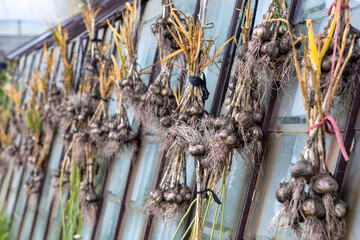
x=312, y=44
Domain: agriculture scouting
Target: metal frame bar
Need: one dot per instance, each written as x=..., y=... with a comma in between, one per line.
x=349, y=132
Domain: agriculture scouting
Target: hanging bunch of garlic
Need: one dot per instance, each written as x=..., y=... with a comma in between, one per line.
x=131, y=85
x=78, y=109
x=53, y=98
x=310, y=198
x=172, y=195
x=120, y=132
x=159, y=100
x=265, y=57
x=50, y=115
x=186, y=130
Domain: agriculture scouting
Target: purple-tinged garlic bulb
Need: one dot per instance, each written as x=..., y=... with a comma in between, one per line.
x=325, y=183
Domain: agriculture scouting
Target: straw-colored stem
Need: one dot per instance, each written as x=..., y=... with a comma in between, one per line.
x=199, y=205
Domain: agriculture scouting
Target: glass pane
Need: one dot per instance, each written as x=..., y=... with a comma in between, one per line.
x=40, y=226
x=144, y=181
x=5, y=185
x=27, y=225
x=119, y=173
x=162, y=230
x=21, y=202
x=235, y=191
x=133, y=226
x=145, y=173
x=289, y=113
x=15, y=226
x=56, y=151
x=14, y=186
x=108, y=221
x=219, y=13
x=146, y=49
x=47, y=194
x=53, y=232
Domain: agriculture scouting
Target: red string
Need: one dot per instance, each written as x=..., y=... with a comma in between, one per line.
x=334, y=4
x=328, y=119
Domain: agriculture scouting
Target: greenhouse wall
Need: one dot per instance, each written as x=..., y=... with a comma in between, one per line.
x=124, y=181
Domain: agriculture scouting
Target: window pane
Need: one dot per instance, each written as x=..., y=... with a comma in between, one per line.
x=108, y=221
x=134, y=225
x=39, y=230
x=133, y=222
x=236, y=186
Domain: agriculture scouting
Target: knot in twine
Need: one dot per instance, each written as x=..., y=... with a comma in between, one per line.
x=196, y=82
x=328, y=120
x=206, y=190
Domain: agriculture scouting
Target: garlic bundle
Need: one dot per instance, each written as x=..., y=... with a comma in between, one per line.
x=160, y=29
x=17, y=122
x=132, y=86
x=310, y=201
x=310, y=198
x=9, y=154
x=159, y=100
x=267, y=57
x=348, y=81
x=188, y=129
x=120, y=133
x=50, y=115
x=171, y=196
x=78, y=108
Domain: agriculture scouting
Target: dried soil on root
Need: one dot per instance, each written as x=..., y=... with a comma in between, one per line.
x=165, y=211
x=79, y=155
x=187, y=135
x=251, y=151
x=314, y=229
x=89, y=210
x=113, y=147
x=133, y=97
x=290, y=211
x=298, y=196
x=335, y=227
x=99, y=142
x=280, y=222
x=150, y=113
x=215, y=156
x=286, y=70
